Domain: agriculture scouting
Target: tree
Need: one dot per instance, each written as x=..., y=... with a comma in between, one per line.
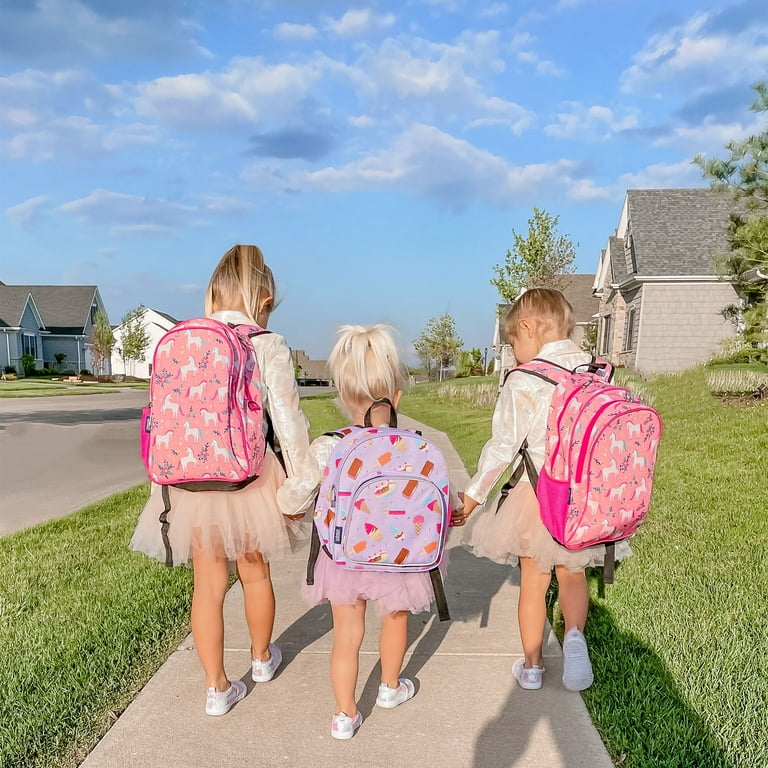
x=438, y=343
x=745, y=172
x=542, y=259
x=744, y=175
x=102, y=341
x=134, y=339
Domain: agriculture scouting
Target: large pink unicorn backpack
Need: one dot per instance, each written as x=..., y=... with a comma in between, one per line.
x=599, y=458
x=203, y=429
x=383, y=504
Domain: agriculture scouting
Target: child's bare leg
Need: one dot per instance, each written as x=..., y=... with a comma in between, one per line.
x=573, y=595
x=259, y=599
x=211, y=579
x=348, y=633
x=532, y=610
x=392, y=644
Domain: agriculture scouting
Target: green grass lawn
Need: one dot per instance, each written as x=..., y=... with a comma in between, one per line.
x=47, y=388
x=680, y=641
x=84, y=623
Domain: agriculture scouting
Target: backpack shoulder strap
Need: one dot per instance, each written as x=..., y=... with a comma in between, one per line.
x=536, y=367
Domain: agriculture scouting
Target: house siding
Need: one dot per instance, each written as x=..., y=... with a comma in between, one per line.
x=681, y=325
x=53, y=345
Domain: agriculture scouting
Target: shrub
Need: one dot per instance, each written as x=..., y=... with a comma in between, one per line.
x=85, y=372
x=68, y=372
x=28, y=364
x=9, y=369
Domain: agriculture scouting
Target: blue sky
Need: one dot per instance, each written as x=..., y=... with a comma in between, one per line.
x=381, y=154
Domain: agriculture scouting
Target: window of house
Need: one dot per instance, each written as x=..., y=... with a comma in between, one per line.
x=605, y=344
x=29, y=346
x=629, y=250
x=629, y=333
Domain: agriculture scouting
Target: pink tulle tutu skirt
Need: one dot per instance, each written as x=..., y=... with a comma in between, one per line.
x=390, y=592
x=219, y=523
x=516, y=531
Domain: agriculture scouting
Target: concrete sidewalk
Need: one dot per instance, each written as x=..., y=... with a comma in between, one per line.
x=468, y=710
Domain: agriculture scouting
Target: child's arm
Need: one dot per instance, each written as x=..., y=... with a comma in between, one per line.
x=297, y=494
x=288, y=420
x=511, y=423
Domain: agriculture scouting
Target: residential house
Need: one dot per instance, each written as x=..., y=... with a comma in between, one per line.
x=155, y=323
x=661, y=299
x=46, y=320
x=309, y=371
x=578, y=290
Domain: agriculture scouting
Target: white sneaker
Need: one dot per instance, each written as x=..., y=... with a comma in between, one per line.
x=527, y=677
x=343, y=726
x=264, y=671
x=220, y=702
x=391, y=697
x=577, y=668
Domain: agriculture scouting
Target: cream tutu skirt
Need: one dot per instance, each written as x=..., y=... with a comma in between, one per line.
x=390, y=592
x=219, y=523
x=517, y=531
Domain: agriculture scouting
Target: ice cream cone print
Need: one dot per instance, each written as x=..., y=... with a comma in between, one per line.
x=359, y=547
x=399, y=444
x=362, y=506
x=398, y=534
x=429, y=548
x=385, y=458
x=374, y=532
x=418, y=522
x=433, y=506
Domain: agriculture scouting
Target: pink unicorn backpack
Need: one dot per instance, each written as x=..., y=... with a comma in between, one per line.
x=599, y=457
x=203, y=429
x=383, y=505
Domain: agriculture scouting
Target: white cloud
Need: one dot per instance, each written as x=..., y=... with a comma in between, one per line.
x=286, y=31
x=442, y=81
x=710, y=135
x=495, y=9
x=358, y=22
x=595, y=123
x=132, y=216
x=698, y=53
x=66, y=138
x=64, y=31
x=27, y=215
x=248, y=92
x=428, y=163
x=521, y=44
x=663, y=176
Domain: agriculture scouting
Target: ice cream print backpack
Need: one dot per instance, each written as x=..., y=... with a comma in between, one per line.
x=599, y=457
x=383, y=504
x=202, y=430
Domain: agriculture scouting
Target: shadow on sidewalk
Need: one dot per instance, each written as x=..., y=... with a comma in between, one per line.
x=643, y=719
x=470, y=585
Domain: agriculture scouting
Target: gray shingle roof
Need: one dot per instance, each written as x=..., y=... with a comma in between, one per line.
x=618, y=259
x=13, y=300
x=63, y=308
x=578, y=291
x=678, y=231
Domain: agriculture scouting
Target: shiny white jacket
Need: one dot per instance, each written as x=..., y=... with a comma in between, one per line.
x=521, y=411
x=280, y=397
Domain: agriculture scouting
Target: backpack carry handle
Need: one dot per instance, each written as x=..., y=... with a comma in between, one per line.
x=392, y=412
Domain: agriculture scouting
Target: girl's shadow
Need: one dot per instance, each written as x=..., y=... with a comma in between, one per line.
x=470, y=586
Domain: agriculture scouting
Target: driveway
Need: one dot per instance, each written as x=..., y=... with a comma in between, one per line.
x=59, y=454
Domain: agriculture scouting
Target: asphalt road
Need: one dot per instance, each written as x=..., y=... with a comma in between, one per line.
x=59, y=454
